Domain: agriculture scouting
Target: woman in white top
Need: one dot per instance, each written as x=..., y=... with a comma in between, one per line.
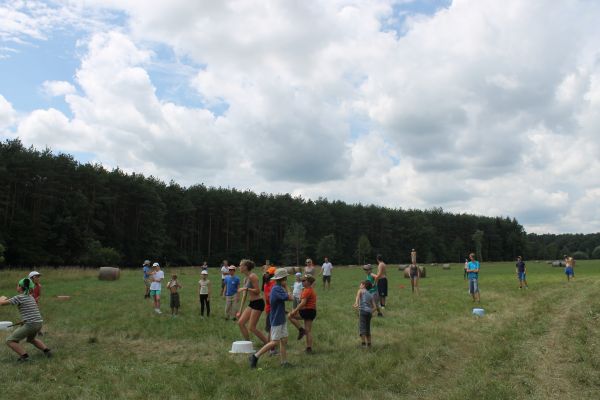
x=204, y=293
x=156, y=276
x=310, y=267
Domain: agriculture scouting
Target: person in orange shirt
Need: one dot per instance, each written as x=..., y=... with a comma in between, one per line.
x=307, y=309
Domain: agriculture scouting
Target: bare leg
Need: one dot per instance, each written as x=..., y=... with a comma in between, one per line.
x=308, y=329
x=294, y=322
x=39, y=344
x=254, y=318
x=17, y=348
x=272, y=344
x=242, y=323
x=282, y=350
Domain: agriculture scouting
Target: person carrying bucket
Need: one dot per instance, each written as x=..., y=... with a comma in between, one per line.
x=31, y=320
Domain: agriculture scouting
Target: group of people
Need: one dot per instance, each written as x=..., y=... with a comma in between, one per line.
x=29, y=291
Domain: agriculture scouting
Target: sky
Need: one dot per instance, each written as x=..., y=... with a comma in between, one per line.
x=474, y=106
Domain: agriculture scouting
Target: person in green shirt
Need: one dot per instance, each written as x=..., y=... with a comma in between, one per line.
x=371, y=277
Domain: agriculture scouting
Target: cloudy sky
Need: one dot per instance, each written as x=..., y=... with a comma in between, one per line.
x=479, y=106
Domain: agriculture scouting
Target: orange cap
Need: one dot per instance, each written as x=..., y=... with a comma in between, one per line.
x=271, y=270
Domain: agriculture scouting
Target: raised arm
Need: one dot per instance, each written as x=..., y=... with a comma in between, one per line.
x=4, y=301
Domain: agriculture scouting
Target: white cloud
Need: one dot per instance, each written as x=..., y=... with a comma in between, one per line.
x=487, y=107
x=7, y=113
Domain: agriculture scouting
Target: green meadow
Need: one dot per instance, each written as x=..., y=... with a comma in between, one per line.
x=539, y=343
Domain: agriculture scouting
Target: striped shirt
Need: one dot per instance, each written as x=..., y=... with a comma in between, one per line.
x=30, y=313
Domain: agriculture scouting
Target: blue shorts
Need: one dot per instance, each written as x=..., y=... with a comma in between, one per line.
x=473, y=285
x=569, y=271
x=522, y=276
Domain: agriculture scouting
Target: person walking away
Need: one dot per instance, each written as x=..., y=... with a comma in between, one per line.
x=230, y=292
x=31, y=320
x=279, y=333
x=173, y=287
x=256, y=304
x=381, y=280
x=365, y=303
x=204, y=293
x=521, y=272
x=307, y=310
x=326, y=272
x=473, y=275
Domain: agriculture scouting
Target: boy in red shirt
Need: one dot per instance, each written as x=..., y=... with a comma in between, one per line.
x=307, y=309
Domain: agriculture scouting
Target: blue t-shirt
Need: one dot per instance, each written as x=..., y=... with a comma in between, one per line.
x=473, y=265
x=277, y=300
x=147, y=270
x=521, y=266
x=232, y=283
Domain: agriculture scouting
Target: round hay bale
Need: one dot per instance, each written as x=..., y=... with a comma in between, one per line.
x=109, y=273
x=290, y=270
x=558, y=263
x=423, y=271
x=446, y=266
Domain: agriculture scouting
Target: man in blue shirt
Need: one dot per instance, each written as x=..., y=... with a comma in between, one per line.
x=147, y=269
x=230, y=291
x=521, y=272
x=473, y=276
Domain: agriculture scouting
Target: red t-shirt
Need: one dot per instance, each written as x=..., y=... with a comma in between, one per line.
x=37, y=292
x=311, y=298
x=267, y=290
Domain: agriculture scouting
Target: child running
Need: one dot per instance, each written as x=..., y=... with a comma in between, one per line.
x=307, y=309
x=256, y=304
x=521, y=272
x=173, y=287
x=365, y=304
x=204, y=293
x=279, y=333
x=156, y=276
x=31, y=320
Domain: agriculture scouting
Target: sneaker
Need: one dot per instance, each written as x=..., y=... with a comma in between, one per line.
x=157, y=310
x=301, y=333
x=253, y=360
x=23, y=359
x=363, y=344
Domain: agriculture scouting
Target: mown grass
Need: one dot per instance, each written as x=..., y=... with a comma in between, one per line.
x=540, y=343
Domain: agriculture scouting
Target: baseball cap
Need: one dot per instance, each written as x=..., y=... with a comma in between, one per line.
x=156, y=265
x=34, y=273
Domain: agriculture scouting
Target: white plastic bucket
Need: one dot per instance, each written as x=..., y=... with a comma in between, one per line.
x=242, y=346
x=4, y=325
x=480, y=312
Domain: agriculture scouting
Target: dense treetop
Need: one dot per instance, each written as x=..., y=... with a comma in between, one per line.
x=57, y=211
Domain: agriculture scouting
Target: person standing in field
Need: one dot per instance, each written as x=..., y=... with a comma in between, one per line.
x=156, y=276
x=256, y=304
x=569, y=268
x=230, y=292
x=365, y=304
x=147, y=270
x=31, y=320
x=371, y=277
x=307, y=310
x=224, y=273
x=173, y=287
x=414, y=274
x=309, y=269
x=381, y=280
x=204, y=293
x=521, y=272
x=326, y=272
x=279, y=333
x=473, y=275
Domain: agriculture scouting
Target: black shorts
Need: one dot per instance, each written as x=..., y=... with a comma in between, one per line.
x=382, y=287
x=257, y=305
x=175, y=300
x=326, y=278
x=308, y=314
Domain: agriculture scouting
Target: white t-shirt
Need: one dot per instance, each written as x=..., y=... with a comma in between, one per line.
x=326, y=268
x=297, y=289
x=158, y=275
x=224, y=272
x=203, y=286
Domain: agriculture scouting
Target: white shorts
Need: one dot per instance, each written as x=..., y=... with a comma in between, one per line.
x=279, y=332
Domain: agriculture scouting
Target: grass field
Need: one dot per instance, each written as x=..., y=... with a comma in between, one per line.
x=540, y=343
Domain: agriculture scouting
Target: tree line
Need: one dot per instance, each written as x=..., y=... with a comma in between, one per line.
x=57, y=211
x=555, y=247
